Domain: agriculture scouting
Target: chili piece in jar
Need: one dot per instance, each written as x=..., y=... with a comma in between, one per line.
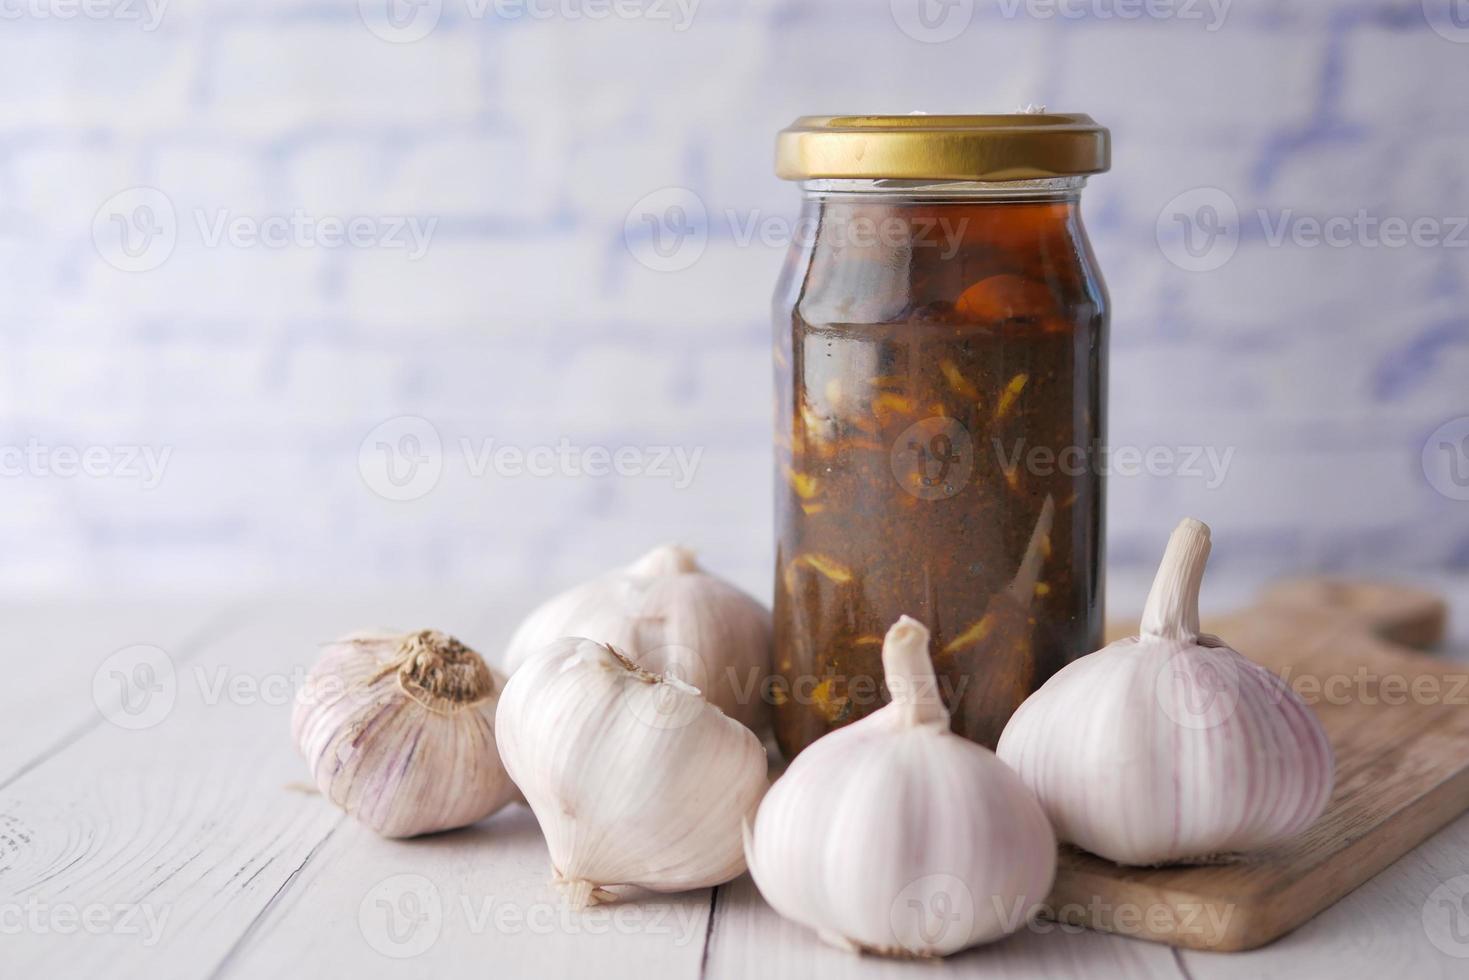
x=940, y=351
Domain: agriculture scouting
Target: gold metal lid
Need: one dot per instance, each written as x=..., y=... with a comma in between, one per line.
x=1018, y=146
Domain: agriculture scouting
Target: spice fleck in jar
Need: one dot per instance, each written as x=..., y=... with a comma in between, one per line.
x=940, y=367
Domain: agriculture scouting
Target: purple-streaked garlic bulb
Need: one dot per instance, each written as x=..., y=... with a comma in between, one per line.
x=399, y=731
x=1169, y=747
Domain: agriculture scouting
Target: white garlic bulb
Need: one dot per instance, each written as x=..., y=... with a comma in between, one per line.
x=399, y=731
x=1169, y=746
x=894, y=835
x=670, y=617
x=634, y=778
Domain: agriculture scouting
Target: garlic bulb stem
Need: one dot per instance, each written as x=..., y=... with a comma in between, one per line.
x=910, y=677
x=439, y=672
x=580, y=894
x=1172, y=610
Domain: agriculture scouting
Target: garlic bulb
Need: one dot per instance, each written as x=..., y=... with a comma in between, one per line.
x=634, y=777
x=399, y=731
x=894, y=835
x=1169, y=746
x=670, y=617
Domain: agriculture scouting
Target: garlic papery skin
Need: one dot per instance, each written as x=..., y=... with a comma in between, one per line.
x=634, y=778
x=671, y=617
x=399, y=731
x=1169, y=746
x=893, y=835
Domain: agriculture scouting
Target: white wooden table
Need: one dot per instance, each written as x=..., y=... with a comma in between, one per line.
x=169, y=836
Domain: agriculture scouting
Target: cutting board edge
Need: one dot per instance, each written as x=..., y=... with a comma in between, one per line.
x=1411, y=826
x=1274, y=919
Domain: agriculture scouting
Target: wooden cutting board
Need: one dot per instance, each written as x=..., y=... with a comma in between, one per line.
x=1399, y=722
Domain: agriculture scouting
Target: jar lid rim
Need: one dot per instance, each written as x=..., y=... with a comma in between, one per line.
x=1001, y=146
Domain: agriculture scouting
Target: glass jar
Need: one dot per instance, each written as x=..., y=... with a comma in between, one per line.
x=940, y=351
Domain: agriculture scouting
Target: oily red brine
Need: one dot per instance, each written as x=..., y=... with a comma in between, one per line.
x=940, y=382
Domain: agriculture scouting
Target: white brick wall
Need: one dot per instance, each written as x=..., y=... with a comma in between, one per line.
x=523, y=143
